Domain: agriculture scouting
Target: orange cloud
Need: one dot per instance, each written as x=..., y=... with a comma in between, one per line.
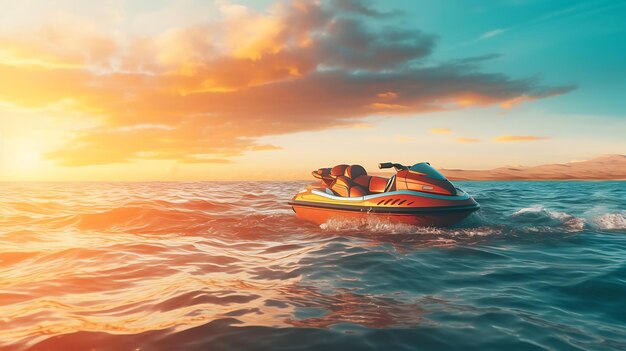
x=467, y=140
x=206, y=91
x=387, y=107
x=266, y=147
x=510, y=138
x=363, y=126
x=440, y=130
x=509, y=104
x=388, y=95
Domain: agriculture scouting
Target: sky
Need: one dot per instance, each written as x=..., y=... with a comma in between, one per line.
x=232, y=90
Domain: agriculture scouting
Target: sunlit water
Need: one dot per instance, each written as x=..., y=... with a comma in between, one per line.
x=227, y=266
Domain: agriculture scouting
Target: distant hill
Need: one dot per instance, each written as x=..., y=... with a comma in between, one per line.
x=603, y=167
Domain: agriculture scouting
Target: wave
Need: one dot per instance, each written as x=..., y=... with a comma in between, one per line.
x=202, y=217
x=142, y=219
x=611, y=221
x=533, y=219
x=373, y=225
x=542, y=219
x=190, y=205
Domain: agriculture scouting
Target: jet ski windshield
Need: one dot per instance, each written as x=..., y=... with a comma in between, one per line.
x=428, y=170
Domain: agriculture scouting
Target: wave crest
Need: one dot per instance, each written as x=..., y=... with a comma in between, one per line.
x=375, y=225
x=381, y=226
x=144, y=220
x=543, y=219
x=611, y=221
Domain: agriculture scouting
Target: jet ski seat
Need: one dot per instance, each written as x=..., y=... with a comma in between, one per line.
x=344, y=185
x=353, y=181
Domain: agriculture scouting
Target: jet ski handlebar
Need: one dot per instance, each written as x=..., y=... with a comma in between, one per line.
x=397, y=166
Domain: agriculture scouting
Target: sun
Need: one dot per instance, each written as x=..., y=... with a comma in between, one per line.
x=28, y=159
x=21, y=155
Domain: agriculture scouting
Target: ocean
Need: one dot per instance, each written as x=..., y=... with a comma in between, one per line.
x=227, y=266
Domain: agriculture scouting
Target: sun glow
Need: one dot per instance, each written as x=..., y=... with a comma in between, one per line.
x=22, y=155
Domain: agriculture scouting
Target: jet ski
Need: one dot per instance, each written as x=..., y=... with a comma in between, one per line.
x=416, y=195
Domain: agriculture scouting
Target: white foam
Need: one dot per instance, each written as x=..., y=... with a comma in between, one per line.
x=611, y=221
x=380, y=226
x=545, y=218
x=374, y=225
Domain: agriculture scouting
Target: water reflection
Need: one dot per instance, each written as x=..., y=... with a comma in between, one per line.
x=158, y=265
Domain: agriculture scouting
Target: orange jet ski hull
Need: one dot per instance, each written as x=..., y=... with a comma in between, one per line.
x=319, y=205
x=417, y=195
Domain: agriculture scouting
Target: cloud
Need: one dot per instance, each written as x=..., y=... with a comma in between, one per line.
x=440, y=130
x=204, y=160
x=363, y=126
x=206, y=91
x=266, y=147
x=362, y=8
x=491, y=33
x=467, y=140
x=389, y=95
x=511, y=138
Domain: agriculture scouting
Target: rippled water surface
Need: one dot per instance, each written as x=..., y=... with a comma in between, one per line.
x=227, y=266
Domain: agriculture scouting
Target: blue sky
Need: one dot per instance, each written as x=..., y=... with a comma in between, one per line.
x=579, y=42
x=559, y=42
